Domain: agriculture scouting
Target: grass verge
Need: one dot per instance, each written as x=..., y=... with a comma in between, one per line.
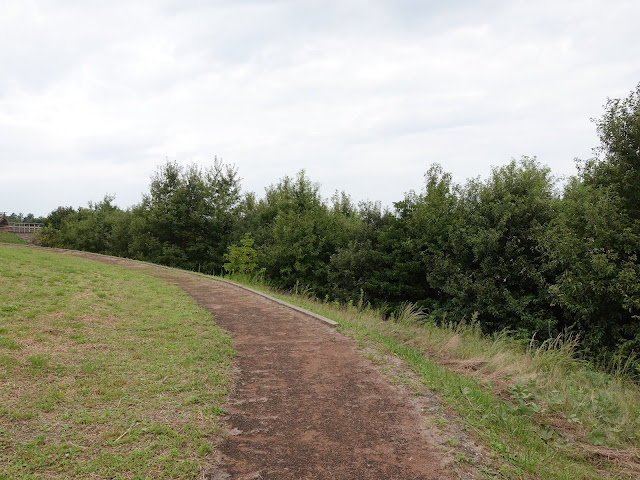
x=104, y=372
x=9, y=237
x=541, y=413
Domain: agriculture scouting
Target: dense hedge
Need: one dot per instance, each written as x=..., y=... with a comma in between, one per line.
x=513, y=251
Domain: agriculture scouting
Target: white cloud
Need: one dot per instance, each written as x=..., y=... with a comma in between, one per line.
x=363, y=95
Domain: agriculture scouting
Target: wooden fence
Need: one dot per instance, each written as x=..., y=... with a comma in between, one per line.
x=22, y=227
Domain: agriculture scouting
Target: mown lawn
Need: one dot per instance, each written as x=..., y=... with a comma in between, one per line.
x=104, y=372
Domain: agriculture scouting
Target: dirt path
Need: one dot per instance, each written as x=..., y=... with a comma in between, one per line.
x=305, y=405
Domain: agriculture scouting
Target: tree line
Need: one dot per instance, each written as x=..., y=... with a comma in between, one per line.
x=516, y=251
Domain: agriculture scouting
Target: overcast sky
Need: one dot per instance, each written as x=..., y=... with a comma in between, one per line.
x=364, y=95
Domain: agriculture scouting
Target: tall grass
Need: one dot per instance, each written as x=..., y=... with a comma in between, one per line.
x=542, y=411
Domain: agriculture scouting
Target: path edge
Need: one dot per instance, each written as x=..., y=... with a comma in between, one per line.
x=301, y=310
x=308, y=313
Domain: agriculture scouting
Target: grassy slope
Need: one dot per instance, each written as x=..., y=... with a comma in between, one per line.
x=9, y=237
x=104, y=372
x=542, y=414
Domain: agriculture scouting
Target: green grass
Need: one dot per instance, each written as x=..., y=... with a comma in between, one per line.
x=541, y=413
x=9, y=237
x=104, y=372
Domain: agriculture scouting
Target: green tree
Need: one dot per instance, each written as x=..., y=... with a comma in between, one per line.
x=360, y=263
x=54, y=219
x=50, y=233
x=430, y=218
x=187, y=219
x=592, y=249
x=594, y=243
x=297, y=232
x=494, y=266
x=241, y=258
x=96, y=228
x=617, y=166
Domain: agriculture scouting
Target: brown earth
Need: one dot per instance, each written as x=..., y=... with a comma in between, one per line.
x=306, y=404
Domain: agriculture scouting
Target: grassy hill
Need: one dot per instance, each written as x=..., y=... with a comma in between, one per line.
x=105, y=372
x=110, y=373
x=9, y=237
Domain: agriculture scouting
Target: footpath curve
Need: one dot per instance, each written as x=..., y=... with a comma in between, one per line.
x=306, y=404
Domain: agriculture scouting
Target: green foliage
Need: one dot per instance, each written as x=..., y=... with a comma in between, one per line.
x=521, y=419
x=22, y=218
x=50, y=235
x=428, y=221
x=593, y=244
x=241, y=258
x=494, y=265
x=187, y=219
x=592, y=250
x=55, y=218
x=510, y=251
x=297, y=232
x=93, y=229
x=617, y=167
x=366, y=263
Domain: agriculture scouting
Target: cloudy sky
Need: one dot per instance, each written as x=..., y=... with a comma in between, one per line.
x=364, y=95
